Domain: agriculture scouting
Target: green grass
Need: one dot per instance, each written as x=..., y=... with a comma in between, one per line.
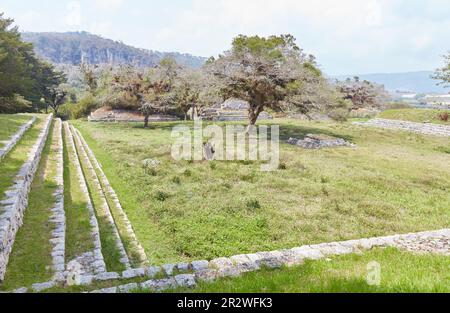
x=110, y=252
x=10, y=124
x=415, y=115
x=393, y=182
x=31, y=255
x=11, y=164
x=78, y=229
x=401, y=272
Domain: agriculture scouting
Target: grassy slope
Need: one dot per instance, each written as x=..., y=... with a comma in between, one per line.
x=11, y=164
x=345, y=274
x=78, y=229
x=32, y=240
x=109, y=249
x=10, y=124
x=393, y=182
x=415, y=115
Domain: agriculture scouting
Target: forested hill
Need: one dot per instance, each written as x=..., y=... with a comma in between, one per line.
x=74, y=48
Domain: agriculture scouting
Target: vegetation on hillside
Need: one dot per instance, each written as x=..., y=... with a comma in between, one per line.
x=76, y=48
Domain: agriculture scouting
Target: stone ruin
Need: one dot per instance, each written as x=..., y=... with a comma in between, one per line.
x=231, y=110
x=319, y=141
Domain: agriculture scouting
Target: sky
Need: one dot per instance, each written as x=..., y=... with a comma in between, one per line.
x=346, y=36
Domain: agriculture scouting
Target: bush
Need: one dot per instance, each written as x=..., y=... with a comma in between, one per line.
x=161, y=196
x=253, y=205
x=15, y=104
x=78, y=110
x=339, y=115
x=397, y=106
x=444, y=117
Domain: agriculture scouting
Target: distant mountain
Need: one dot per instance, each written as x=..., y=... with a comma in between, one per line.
x=419, y=82
x=73, y=48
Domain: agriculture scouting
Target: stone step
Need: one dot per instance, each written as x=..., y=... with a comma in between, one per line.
x=103, y=210
x=91, y=260
x=137, y=248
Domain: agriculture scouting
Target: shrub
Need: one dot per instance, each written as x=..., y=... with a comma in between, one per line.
x=161, y=196
x=187, y=173
x=176, y=180
x=253, y=205
x=339, y=115
x=397, y=106
x=78, y=110
x=444, y=116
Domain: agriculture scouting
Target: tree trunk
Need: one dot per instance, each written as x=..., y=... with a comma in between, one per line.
x=193, y=112
x=146, y=121
x=253, y=114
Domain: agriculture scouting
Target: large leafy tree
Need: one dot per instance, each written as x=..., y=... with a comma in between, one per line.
x=362, y=93
x=149, y=91
x=270, y=73
x=194, y=90
x=24, y=78
x=443, y=73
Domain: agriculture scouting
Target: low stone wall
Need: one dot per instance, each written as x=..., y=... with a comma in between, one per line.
x=58, y=217
x=434, y=241
x=319, y=142
x=11, y=143
x=420, y=128
x=188, y=274
x=103, y=209
x=13, y=207
x=94, y=260
x=133, y=241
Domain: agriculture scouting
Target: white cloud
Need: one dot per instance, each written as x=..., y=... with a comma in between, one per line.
x=73, y=17
x=108, y=4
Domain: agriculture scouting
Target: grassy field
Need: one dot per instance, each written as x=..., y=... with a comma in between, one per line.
x=11, y=164
x=345, y=274
x=416, y=115
x=393, y=182
x=10, y=124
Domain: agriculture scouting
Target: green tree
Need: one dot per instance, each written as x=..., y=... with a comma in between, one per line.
x=270, y=73
x=443, y=73
x=24, y=78
x=362, y=94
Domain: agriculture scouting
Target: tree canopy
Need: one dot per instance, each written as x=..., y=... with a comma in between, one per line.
x=443, y=73
x=273, y=73
x=24, y=78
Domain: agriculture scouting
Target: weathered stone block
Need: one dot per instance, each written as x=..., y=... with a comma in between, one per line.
x=185, y=280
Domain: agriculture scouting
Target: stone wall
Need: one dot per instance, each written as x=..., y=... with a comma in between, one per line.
x=91, y=261
x=133, y=241
x=103, y=210
x=420, y=128
x=11, y=143
x=58, y=217
x=106, y=114
x=13, y=207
